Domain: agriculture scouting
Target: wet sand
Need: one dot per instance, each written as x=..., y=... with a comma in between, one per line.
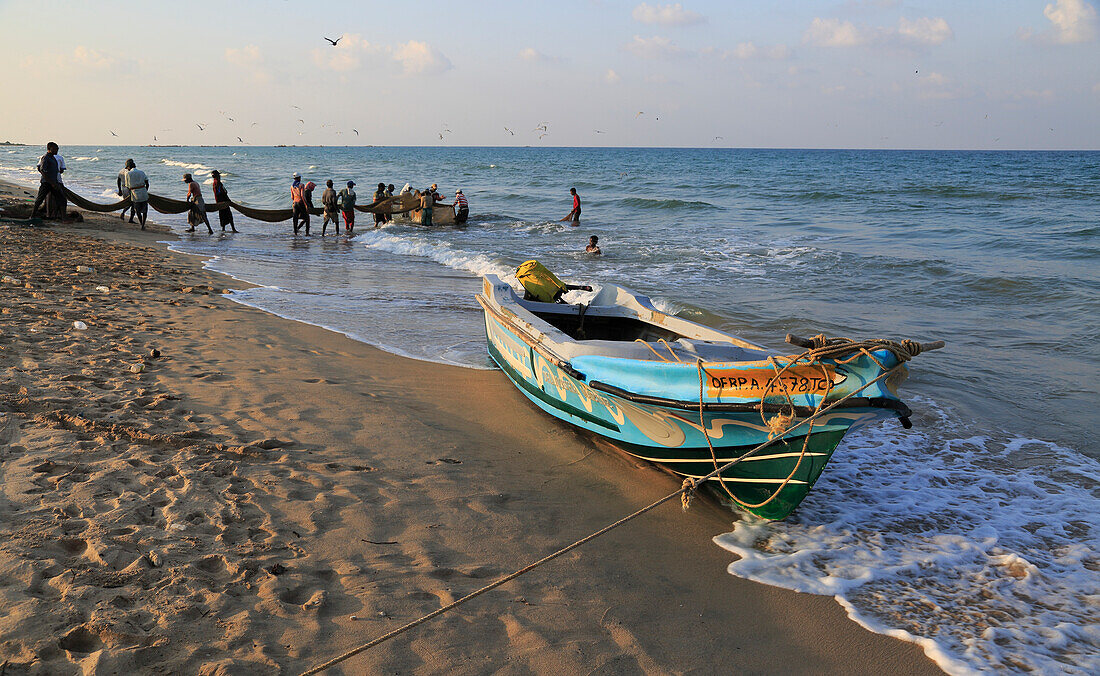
x=229, y=505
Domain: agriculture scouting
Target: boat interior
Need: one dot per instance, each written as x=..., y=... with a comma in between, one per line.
x=616, y=322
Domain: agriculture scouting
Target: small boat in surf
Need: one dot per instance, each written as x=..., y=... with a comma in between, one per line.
x=688, y=397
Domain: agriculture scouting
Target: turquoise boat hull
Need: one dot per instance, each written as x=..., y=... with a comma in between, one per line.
x=770, y=483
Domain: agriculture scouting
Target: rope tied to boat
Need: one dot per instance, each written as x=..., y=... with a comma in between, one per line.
x=685, y=493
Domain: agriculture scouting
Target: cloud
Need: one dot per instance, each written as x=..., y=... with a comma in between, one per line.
x=611, y=77
x=666, y=15
x=80, y=59
x=352, y=51
x=90, y=58
x=420, y=57
x=939, y=87
x=244, y=56
x=347, y=55
x=833, y=33
x=909, y=33
x=750, y=50
x=1072, y=22
x=925, y=31
x=249, y=59
x=533, y=55
x=653, y=48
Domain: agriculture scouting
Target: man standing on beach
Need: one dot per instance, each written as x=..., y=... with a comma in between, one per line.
x=222, y=195
x=328, y=202
x=346, y=199
x=427, y=201
x=138, y=185
x=123, y=191
x=575, y=214
x=197, y=214
x=50, y=184
x=298, y=203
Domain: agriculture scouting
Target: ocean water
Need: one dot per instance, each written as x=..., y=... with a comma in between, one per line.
x=975, y=534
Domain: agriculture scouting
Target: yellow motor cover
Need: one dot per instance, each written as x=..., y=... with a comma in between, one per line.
x=540, y=284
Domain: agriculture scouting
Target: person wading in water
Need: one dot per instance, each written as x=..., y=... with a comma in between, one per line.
x=222, y=195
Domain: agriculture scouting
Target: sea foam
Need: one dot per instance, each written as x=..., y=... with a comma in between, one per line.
x=984, y=549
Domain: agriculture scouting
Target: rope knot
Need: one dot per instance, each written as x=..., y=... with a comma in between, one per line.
x=778, y=424
x=688, y=488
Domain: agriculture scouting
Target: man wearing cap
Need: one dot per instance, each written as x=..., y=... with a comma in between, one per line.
x=222, y=195
x=346, y=200
x=298, y=210
x=462, y=207
x=138, y=184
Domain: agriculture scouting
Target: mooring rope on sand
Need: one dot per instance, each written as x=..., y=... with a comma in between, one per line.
x=686, y=490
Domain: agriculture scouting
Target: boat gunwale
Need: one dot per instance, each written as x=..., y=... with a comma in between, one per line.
x=898, y=407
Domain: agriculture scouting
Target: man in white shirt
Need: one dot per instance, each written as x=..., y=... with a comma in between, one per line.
x=123, y=191
x=137, y=183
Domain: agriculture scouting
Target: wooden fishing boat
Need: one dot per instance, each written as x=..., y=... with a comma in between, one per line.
x=442, y=214
x=686, y=396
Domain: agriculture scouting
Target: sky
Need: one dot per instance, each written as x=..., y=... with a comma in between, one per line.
x=932, y=74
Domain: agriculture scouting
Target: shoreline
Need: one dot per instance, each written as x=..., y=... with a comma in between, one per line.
x=317, y=477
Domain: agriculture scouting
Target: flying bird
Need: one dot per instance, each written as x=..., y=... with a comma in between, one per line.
x=302, y=121
x=112, y=133
x=201, y=127
x=240, y=139
x=334, y=41
x=295, y=107
x=253, y=124
x=597, y=131
x=541, y=135
x=719, y=138
x=542, y=126
x=639, y=114
x=229, y=118
x=509, y=131
x=441, y=137
x=154, y=137
x=356, y=131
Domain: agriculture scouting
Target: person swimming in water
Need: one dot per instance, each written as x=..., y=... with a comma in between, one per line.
x=593, y=247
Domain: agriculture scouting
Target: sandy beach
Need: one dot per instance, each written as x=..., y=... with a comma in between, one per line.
x=264, y=495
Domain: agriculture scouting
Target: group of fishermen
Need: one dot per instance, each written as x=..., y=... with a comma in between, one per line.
x=134, y=183
x=334, y=204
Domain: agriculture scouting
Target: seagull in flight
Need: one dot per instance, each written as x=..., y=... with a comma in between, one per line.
x=334, y=41
x=302, y=121
x=201, y=127
x=639, y=114
x=509, y=131
x=240, y=139
x=541, y=127
x=597, y=131
x=356, y=131
x=154, y=138
x=541, y=135
x=253, y=124
x=295, y=107
x=719, y=138
x=112, y=133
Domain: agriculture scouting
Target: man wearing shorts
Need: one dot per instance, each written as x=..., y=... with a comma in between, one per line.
x=346, y=198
